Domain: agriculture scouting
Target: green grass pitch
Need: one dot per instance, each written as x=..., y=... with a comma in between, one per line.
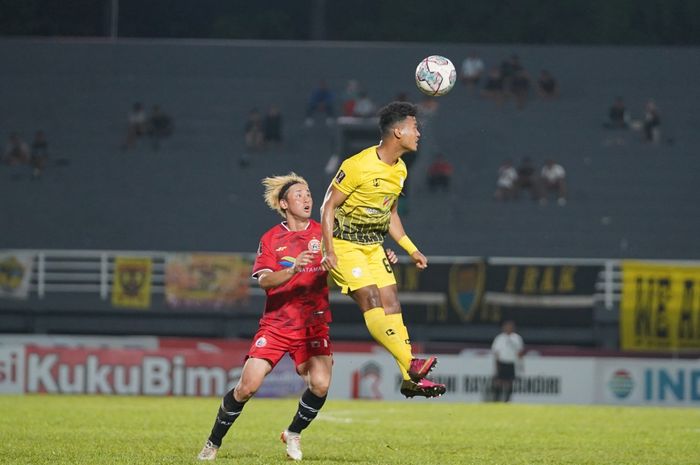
x=97, y=430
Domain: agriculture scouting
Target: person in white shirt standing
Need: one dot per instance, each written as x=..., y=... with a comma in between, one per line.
x=508, y=349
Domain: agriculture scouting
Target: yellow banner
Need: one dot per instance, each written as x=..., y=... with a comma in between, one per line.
x=201, y=280
x=660, y=307
x=131, y=282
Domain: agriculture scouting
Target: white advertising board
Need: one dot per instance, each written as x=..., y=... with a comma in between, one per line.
x=541, y=380
x=625, y=381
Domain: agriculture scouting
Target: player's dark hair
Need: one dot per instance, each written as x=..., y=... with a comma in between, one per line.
x=393, y=113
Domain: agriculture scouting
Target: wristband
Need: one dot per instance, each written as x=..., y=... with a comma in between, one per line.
x=407, y=245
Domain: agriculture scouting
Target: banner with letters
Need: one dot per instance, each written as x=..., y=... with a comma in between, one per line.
x=640, y=381
x=15, y=274
x=540, y=294
x=660, y=308
x=206, y=280
x=473, y=291
x=118, y=371
x=210, y=367
x=131, y=282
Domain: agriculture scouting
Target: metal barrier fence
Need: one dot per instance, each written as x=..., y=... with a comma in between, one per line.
x=92, y=272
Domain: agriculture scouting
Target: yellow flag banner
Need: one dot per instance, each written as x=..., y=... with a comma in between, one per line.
x=660, y=308
x=207, y=281
x=131, y=282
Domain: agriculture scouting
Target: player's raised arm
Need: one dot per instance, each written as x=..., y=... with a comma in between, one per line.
x=397, y=233
x=333, y=199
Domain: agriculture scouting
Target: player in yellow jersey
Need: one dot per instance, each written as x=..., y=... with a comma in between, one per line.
x=359, y=209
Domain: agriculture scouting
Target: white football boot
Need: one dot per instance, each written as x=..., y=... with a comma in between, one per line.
x=293, y=442
x=208, y=452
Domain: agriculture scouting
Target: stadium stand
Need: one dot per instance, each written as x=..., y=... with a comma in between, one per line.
x=635, y=200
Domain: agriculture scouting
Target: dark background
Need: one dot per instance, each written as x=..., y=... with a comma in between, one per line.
x=617, y=22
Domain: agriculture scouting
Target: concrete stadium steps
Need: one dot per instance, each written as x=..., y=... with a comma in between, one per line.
x=633, y=200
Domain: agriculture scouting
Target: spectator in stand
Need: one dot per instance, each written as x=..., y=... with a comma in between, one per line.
x=160, y=126
x=553, y=180
x=618, y=116
x=506, y=182
x=472, y=70
x=39, y=154
x=254, y=136
x=527, y=178
x=350, y=95
x=493, y=87
x=364, y=107
x=321, y=101
x=509, y=68
x=651, y=130
x=16, y=151
x=137, y=125
x=440, y=174
x=520, y=87
x=272, y=127
x=547, y=86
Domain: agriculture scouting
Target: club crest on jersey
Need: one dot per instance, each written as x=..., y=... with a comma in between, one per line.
x=261, y=342
x=340, y=176
x=314, y=245
x=387, y=199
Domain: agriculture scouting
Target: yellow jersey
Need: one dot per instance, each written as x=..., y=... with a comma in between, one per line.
x=372, y=187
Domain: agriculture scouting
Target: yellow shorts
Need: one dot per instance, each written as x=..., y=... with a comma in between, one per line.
x=360, y=266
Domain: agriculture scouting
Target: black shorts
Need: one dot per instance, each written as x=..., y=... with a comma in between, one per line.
x=505, y=371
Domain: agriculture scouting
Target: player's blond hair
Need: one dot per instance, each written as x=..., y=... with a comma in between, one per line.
x=276, y=188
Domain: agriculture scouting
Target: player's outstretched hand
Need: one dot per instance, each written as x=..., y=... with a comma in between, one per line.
x=302, y=260
x=420, y=260
x=391, y=256
x=329, y=261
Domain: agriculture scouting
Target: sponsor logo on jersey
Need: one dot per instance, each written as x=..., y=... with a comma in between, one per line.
x=260, y=248
x=357, y=272
x=340, y=176
x=375, y=182
x=280, y=249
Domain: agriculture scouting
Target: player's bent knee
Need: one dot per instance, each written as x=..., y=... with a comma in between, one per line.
x=392, y=308
x=244, y=391
x=367, y=297
x=320, y=388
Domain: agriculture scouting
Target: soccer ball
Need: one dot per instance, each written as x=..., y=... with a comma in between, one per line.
x=435, y=75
